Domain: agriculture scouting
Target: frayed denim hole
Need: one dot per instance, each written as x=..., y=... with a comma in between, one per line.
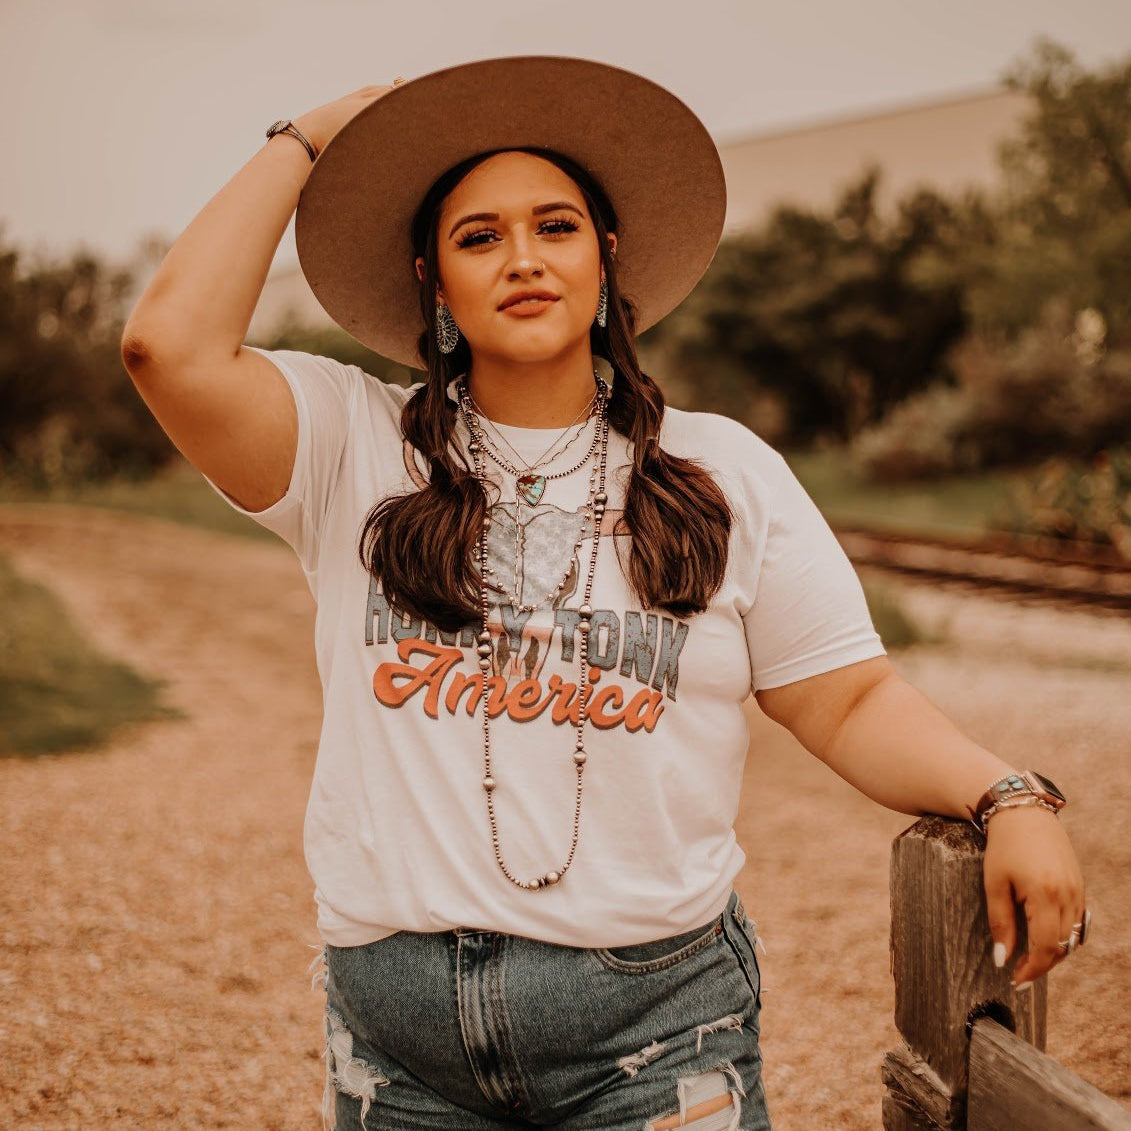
x=345, y=1072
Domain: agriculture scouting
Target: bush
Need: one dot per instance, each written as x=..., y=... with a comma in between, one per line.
x=917, y=440
x=1053, y=392
x=1081, y=502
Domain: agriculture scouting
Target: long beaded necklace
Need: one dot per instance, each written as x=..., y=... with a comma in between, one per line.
x=598, y=499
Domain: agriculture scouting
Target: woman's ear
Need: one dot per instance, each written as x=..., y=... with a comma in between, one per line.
x=420, y=275
x=612, y=237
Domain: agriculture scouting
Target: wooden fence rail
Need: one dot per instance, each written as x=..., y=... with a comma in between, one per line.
x=972, y=1056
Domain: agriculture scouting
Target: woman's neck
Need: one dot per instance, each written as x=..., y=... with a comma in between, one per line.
x=526, y=395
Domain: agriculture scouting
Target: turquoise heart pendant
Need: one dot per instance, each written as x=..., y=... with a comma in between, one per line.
x=531, y=488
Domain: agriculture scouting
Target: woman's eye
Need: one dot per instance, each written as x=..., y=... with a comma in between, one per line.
x=560, y=226
x=472, y=238
x=479, y=238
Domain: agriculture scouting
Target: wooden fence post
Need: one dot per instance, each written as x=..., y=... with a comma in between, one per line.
x=941, y=960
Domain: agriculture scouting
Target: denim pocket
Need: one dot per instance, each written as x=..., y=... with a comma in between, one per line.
x=645, y=958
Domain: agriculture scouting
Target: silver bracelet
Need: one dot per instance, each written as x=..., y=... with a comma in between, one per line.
x=1027, y=800
x=284, y=127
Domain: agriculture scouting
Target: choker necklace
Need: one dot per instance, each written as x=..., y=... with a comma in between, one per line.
x=530, y=467
x=530, y=485
x=598, y=499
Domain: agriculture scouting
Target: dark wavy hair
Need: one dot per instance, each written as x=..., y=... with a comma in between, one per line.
x=420, y=546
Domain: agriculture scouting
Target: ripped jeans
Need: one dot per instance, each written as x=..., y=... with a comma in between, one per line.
x=471, y=1030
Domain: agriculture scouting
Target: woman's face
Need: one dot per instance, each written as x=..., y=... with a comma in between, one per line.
x=516, y=223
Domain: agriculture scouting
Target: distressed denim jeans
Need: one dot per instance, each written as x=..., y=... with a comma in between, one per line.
x=470, y=1030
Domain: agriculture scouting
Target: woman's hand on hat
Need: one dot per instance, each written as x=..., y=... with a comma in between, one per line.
x=320, y=125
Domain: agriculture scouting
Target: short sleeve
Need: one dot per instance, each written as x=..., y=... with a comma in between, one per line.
x=809, y=614
x=324, y=392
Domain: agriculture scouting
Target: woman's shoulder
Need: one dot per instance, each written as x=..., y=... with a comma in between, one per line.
x=720, y=442
x=347, y=382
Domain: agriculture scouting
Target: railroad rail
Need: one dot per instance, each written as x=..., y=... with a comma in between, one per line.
x=1045, y=569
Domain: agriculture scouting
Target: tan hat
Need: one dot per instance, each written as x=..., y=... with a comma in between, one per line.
x=650, y=153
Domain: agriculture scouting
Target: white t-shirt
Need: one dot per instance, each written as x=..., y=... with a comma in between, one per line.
x=397, y=834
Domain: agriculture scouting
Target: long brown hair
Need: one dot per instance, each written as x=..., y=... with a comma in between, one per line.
x=420, y=546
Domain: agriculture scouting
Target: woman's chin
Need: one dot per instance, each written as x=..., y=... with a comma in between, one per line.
x=530, y=348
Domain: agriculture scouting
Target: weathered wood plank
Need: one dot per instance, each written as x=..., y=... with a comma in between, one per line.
x=941, y=950
x=898, y=1117
x=1013, y=1085
x=909, y=1078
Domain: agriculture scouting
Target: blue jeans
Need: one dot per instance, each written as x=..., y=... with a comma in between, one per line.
x=471, y=1030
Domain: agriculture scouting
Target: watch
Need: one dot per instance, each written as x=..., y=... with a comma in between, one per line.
x=1003, y=791
x=286, y=127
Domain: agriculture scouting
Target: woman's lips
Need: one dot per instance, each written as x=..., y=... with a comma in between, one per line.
x=528, y=306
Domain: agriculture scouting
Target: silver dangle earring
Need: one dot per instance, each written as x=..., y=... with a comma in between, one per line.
x=447, y=332
x=603, y=305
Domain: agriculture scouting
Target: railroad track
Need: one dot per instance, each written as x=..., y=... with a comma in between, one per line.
x=1067, y=573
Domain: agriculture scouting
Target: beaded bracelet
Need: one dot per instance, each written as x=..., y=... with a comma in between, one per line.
x=1016, y=804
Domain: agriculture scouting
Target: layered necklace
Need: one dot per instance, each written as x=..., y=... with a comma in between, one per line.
x=530, y=486
x=480, y=448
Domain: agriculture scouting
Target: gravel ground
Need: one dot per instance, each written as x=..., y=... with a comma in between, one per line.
x=156, y=919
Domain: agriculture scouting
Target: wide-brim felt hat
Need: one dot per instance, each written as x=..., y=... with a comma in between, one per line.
x=651, y=154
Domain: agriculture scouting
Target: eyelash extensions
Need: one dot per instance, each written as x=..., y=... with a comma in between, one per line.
x=471, y=238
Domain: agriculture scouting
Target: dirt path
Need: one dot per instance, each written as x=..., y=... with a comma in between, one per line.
x=155, y=911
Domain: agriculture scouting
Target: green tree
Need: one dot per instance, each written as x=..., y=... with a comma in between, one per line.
x=67, y=407
x=838, y=316
x=1046, y=368
x=1065, y=209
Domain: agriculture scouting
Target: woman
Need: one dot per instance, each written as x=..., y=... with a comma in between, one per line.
x=542, y=600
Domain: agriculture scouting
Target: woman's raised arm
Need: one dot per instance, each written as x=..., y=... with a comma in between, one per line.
x=228, y=409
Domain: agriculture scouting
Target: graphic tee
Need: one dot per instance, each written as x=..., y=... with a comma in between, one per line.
x=396, y=833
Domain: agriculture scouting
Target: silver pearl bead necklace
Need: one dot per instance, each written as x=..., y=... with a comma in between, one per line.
x=598, y=501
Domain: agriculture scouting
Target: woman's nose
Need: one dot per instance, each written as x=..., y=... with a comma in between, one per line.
x=524, y=258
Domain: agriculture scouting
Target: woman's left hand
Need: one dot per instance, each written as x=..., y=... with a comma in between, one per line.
x=1029, y=860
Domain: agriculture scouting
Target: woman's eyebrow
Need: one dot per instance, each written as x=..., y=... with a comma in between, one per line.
x=538, y=210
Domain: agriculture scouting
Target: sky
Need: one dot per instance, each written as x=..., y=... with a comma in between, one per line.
x=124, y=117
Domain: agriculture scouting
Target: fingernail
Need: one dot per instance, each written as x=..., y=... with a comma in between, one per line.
x=999, y=954
x=1022, y=985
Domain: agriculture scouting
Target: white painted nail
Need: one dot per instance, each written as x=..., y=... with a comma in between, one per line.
x=999, y=954
x=1022, y=985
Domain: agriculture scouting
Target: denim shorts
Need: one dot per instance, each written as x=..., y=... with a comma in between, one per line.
x=470, y=1030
